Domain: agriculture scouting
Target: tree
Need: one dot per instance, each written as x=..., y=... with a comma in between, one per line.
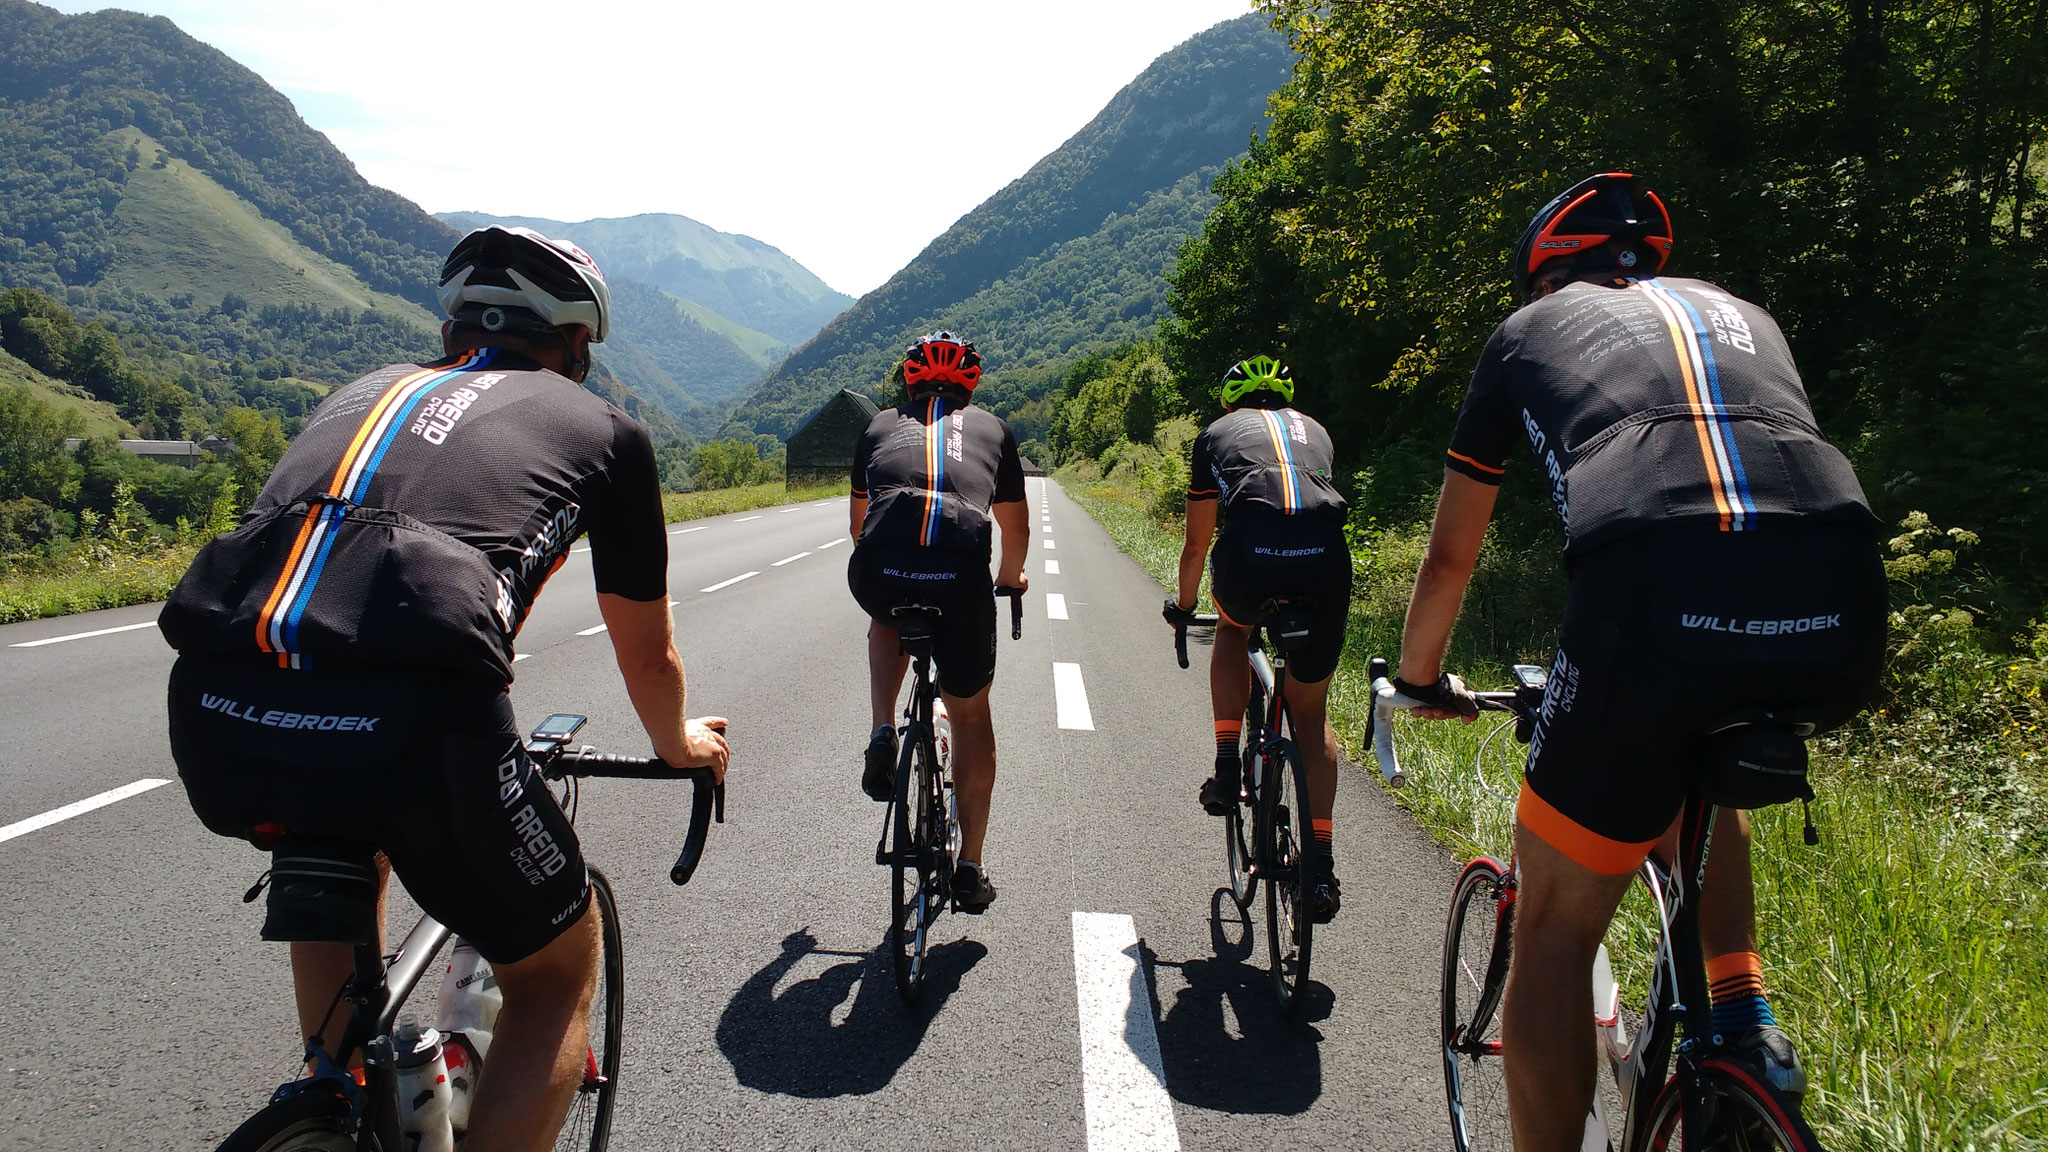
x=34, y=462
x=727, y=464
x=259, y=443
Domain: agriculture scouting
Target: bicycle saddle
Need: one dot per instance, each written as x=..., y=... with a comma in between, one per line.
x=914, y=621
x=1755, y=756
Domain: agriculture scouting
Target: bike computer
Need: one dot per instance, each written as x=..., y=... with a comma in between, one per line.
x=557, y=728
x=1530, y=676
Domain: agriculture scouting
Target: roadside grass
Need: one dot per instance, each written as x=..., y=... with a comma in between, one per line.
x=680, y=506
x=1906, y=954
x=32, y=588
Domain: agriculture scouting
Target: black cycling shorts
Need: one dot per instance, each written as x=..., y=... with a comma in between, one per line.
x=1259, y=559
x=957, y=584
x=435, y=776
x=1666, y=633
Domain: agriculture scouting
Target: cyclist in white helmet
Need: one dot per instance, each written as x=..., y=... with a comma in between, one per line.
x=371, y=598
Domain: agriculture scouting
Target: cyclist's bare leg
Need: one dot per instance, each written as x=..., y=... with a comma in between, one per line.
x=1561, y=913
x=974, y=766
x=1309, y=705
x=886, y=666
x=1230, y=674
x=319, y=971
x=540, y=1044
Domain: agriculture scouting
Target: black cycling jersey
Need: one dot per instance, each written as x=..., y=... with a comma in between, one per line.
x=1650, y=403
x=414, y=519
x=929, y=470
x=1272, y=460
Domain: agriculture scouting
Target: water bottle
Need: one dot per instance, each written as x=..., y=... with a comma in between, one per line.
x=423, y=1092
x=470, y=999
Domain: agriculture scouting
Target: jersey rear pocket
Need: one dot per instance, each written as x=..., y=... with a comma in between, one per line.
x=328, y=582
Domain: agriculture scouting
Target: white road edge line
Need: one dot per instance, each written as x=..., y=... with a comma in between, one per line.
x=1055, y=606
x=521, y=656
x=731, y=582
x=830, y=543
x=593, y=631
x=83, y=635
x=684, y=531
x=1052, y=566
x=79, y=808
x=789, y=560
x=1070, y=698
x=744, y=519
x=1123, y=1077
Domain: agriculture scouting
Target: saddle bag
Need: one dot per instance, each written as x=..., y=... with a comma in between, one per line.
x=1753, y=766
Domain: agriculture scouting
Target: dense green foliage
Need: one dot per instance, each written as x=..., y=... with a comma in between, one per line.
x=1069, y=254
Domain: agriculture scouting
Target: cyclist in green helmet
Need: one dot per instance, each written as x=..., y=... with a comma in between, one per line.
x=1264, y=470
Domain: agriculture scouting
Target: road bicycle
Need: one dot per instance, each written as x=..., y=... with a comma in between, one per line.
x=920, y=841
x=1710, y=1099
x=1272, y=848
x=331, y=1110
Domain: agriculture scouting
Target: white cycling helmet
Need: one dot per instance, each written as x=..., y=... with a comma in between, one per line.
x=554, y=280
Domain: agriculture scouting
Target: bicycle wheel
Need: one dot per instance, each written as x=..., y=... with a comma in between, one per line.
x=914, y=864
x=1743, y=1116
x=1283, y=797
x=1476, y=942
x=1238, y=831
x=589, y=1122
x=307, y=1122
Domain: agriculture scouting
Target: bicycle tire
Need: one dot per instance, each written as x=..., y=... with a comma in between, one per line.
x=589, y=1122
x=1746, y=1116
x=913, y=865
x=1238, y=843
x=1476, y=937
x=310, y=1121
x=1290, y=927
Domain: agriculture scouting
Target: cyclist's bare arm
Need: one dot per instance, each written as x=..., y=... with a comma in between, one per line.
x=1462, y=514
x=1201, y=529
x=1014, y=518
x=643, y=639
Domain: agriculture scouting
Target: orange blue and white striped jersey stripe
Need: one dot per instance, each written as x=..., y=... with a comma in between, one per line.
x=1648, y=403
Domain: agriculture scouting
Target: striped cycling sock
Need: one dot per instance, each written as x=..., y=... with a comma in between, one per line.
x=1227, y=734
x=1321, y=831
x=1736, y=984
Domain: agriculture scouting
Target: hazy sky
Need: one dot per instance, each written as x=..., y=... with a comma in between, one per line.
x=848, y=133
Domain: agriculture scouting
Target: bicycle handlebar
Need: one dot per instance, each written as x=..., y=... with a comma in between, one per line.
x=707, y=804
x=1180, y=632
x=1387, y=700
x=1016, y=596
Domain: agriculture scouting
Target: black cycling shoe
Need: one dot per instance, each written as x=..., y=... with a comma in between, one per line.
x=972, y=893
x=878, y=777
x=1220, y=794
x=1324, y=900
x=1769, y=1051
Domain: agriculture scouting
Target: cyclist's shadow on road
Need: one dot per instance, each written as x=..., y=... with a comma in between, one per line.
x=807, y=1041
x=1269, y=1064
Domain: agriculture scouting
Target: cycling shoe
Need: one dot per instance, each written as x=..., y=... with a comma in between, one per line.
x=1769, y=1051
x=972, y=893
x=1219, y=795
x=878, y=776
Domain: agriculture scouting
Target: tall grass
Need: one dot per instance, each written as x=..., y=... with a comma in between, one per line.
x=679, y=506
x=1907, y=954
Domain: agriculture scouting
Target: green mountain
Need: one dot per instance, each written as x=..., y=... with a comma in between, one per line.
x=1070, y=257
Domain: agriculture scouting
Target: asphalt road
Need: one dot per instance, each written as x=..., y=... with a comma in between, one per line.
x=141, y=1011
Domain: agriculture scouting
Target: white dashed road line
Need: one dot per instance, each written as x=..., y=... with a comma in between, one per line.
x=521, y=656
x=1070, y=698
x=682, y=531
x=731, y=582
x=789, y=559
x=1051, y=544
x=787, y=511
x=1052, y=567
x=83, y=635
x=1048, y=525
x=744, y=519
x=1055, y=606
x=1123, y=1078
x=55, y=815
x=593, y=631
x=830, y=543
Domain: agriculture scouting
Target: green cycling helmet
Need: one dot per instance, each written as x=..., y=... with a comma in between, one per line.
x=1248, y=376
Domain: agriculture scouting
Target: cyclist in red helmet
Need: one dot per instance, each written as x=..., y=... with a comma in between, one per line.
x=1721, y=556
x=932, y=478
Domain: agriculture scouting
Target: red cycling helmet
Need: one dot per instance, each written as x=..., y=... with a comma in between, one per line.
x=1608, y=206
x=941, y=358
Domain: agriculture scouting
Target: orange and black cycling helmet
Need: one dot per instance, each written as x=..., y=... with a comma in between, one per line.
x=941, y=359
x=1609, y=206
